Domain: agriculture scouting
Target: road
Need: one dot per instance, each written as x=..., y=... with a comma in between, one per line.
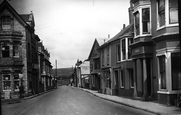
x=69, y=101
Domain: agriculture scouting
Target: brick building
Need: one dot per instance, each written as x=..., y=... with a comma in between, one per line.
x=18, y=51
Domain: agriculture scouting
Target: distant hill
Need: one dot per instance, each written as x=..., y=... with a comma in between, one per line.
x=63, y=72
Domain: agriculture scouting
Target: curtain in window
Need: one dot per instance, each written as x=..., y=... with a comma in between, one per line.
x=173, y=11
x=161, y=12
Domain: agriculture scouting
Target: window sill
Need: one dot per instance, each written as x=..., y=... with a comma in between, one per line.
x=169, y=92
x=143, y=35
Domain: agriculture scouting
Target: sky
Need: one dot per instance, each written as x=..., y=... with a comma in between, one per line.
x=68, y=28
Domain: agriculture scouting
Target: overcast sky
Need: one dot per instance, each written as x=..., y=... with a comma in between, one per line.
x=68, y=28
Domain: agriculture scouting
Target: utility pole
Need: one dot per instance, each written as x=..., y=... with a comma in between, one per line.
x=56, y=72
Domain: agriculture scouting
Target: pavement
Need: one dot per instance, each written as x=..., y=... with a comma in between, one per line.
x=18, y=100
x=148, y=106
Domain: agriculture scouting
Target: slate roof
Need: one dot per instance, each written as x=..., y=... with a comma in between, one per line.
x=127, y=31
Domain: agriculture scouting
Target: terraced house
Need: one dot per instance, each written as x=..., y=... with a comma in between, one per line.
x=155, y=50
x=143, y=59
x=18, y=51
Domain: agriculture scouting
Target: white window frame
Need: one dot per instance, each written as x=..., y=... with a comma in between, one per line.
x=139, y=9
x=167, y=24
x=126, y=47
x=167, y=53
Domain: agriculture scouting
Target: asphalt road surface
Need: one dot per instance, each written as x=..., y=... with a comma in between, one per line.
x=69, y=101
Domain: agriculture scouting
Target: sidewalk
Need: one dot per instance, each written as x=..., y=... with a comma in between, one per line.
x=152, y=107
x=18, y=100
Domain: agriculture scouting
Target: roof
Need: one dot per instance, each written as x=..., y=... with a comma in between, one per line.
x=127, y=31
x=21, y=18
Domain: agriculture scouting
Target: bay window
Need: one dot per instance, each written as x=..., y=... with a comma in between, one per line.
x=137, y=23
x=167, y=12
x=142, y=21
x=146, y=20
x=173, y=11
x=161, y=13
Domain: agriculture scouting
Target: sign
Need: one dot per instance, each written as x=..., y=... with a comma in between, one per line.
x=85, y=68
x=7, y=94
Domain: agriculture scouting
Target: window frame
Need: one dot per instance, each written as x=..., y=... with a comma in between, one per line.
x=3, y=45
x=139, y=10
x=6, y=21
x=167, y=17
x=118, y=53
x=9, y=80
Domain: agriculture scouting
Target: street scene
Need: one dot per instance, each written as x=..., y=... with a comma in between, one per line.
x=69, y=101
x=94, y=57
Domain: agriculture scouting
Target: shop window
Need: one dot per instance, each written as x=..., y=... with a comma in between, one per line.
x=6, y=82
x=6, y=23
x=175, y=65
x=173, y=11
x=15, y=51
x=118, y=53
x=5, y=50
x=146, y=20
x=162, y=71
x=16, y=82
x=161, y=13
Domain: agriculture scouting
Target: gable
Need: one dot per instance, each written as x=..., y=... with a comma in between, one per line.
x=94, y=52
x=7, y=9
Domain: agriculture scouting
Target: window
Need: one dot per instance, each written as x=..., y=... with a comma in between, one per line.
x=175, y=69
x=137, y=23
x=107, y=55
x=118, y=53
x=162, y=71
x=15, y=51
x=146, y=20
x=123, y=49
x=161, y=13
x=130, y=41
x=5, y=50
x=103, y=58
x=16, y=82
x=6, y=23
x=173, y=11
x=122, y=79
x=6, y=82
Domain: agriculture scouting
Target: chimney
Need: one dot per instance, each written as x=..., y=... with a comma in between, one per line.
x=130, y=10
x=124, y=25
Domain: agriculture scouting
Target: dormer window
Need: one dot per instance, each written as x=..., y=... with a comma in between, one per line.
x=6, y=22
